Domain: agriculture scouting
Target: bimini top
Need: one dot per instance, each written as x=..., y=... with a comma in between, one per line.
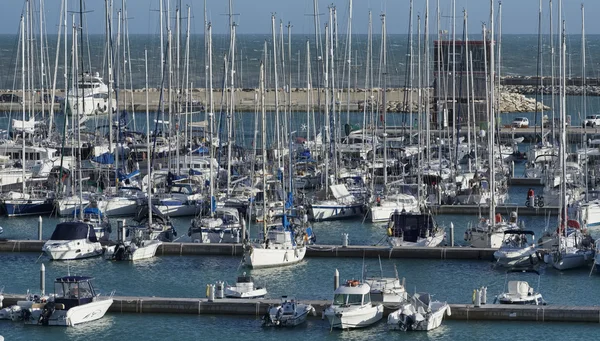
x=73, y=279
x=353, y=287
x=73, y=230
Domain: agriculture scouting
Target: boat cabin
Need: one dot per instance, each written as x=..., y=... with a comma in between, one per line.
x=74, y=230
x=410, y=227
x=72, y=291
x=352, y=293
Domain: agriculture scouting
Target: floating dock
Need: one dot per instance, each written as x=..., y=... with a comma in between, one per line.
x=502, y=209
x=350, y=251
x=529, y=182
x=258, y=307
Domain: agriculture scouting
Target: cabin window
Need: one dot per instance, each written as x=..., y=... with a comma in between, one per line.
x=37, y=156
x=349, y=299
x=59, y=289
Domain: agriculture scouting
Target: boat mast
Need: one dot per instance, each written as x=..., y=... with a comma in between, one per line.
x=308, y=95
x=264, y=145
x=231, y=110
x=327, y=127
x=23, y=106
x=384, y=98
x=277, y=125
x=492, y=129
x=420, y=110
x=42, y=73
x=211, y=117
x=148, y=158
x=584, y=94
x=78, y=127
x=349, y=61
x=563, y=130
x=427, y=80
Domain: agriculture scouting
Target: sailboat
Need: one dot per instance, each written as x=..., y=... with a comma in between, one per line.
x=144, y=238
x=280, y=242
x=575, y=248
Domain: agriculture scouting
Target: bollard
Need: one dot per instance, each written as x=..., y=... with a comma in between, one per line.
x=451, y=234
x=211, y=292
x=336, y=279
x=42, y=280
x=40, y=228
x=344, y=240
x=219, y=289
x=483, y=295
x=477, y=298
x=512, y=169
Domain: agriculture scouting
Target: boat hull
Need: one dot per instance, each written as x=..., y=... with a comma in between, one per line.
x=76, y=315
x=396, y=321
x=335, y=212
x=350, y=319
x=145, y=251
x=19, y=208
x=258, y=257
x=71, y=249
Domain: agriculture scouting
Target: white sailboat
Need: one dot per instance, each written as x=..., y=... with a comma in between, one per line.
x=280, y=243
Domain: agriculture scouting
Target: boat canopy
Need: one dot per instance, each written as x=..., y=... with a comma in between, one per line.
x=88, y=211
x=73, y=230
x=71, y=279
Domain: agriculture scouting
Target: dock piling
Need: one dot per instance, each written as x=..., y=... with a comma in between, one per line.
x=40, y=228
x=344, y=240
x=451, y=234
x=336, y=279
x=42, y=279
x=120, y=230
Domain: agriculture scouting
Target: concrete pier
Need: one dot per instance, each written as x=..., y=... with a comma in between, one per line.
x=258, y=307
x=354, y=251
x=502, y=209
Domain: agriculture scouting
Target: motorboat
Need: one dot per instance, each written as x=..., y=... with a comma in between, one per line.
x=516, y=249
x=282, y=243
x=139, y=247
x=419, y=313
x=288, y=313
x=414, y=229
x=352, y=307
x=72, y=240
x=89, y=97
x=520, y=292
x=388, y=290
x=245, y=288
x=225, y=226
x=74, y=302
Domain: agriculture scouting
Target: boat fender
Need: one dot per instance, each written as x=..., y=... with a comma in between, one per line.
x=389, y=231
x=539, y=256
x=296, y=253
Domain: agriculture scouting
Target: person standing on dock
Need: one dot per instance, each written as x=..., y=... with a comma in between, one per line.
x=530, y=197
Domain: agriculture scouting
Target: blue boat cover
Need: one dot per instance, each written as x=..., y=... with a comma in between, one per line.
x=88, y=211
x=105, y=159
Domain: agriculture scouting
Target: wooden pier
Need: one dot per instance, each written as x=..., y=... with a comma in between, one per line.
x=258, y=307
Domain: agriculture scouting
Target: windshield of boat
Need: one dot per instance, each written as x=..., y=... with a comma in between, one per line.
x=350, y=299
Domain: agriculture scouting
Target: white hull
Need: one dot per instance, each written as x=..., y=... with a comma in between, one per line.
x=590, y=214
x=71, y=249
x=483, y=239
x=231, y=292
x=568, y=261
x=118, y=206
x=434, y=320
x=334, y=212
x=345, y=318
x=259, y=257
x=67, y=206
x=216, y=237
x=422, y=242
x=89, y=106
x=178, y=210
x=516, y=257
x=145, y=251
x=80, y=314
x=382, y=212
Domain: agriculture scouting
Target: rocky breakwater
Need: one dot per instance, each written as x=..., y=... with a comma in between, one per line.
x=571, y=90
x=512, y=102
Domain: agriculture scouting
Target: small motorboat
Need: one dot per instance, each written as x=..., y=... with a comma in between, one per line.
x=520, y=292
x=352, y=307
x=288, y=313
x=419, y=313
x=388, y=289
x=1, y=230
x=517, y=250
x=414, y=229
x=244, y=288
x=74, y=302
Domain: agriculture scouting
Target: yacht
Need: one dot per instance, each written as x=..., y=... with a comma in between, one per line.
x=382, y=208
x=388, y=290
x=343, y=205
x=90, y=97
x=72, y=240
x=352, y=307
x=488, y=234
x=138, y=247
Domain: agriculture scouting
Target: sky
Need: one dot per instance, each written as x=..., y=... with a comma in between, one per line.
x=254, y=16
